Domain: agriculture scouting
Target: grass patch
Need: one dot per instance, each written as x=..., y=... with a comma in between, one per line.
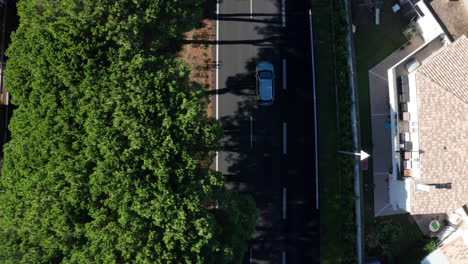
x=330, y=246
x=337, y=211
x=372, y=44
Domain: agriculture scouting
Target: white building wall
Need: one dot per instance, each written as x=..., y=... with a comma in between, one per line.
x=428, y=25
x=436, y=257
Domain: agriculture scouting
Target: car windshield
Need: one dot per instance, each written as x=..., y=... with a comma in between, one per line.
x=265, y=74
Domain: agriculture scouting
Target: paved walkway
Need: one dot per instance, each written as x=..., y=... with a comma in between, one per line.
x=381, y=138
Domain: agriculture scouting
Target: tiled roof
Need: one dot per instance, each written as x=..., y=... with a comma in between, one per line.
x=449, y=69
x=442, y=94
x=456, y=251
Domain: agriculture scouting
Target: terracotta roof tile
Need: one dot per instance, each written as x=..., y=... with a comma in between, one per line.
x=449, y=68
x=456, y=251
x=442, y=96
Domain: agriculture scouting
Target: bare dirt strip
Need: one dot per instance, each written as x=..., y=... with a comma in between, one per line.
x=198, y=54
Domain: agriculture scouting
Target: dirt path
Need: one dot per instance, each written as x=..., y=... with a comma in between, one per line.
x=200, y=58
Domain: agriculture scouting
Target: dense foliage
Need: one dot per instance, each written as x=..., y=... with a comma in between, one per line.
x=110, y=141
x=395, y=239
x=345, y=134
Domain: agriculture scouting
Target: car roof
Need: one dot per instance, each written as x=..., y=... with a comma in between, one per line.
x=266, y=89
x=265, y=66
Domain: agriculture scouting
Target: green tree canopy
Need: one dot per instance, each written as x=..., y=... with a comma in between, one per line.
x=110, y=141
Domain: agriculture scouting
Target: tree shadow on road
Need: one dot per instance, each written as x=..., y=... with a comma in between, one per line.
x=244, y=168
x=248, y=167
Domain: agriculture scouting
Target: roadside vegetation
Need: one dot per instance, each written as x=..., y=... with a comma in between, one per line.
x=110, y=150
x=397, y=240
x=337, y=212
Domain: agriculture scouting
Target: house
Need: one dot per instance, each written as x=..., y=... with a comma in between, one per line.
x=429, y=116
x=423, y=157
x=429, y=107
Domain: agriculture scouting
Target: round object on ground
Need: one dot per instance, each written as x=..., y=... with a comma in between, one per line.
x=434, y=226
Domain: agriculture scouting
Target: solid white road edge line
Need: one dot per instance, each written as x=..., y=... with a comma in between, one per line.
x=251, y=132
x=283, y=12
x=217, y=75
x=284, y=202
x=315, y=111
x=217, y=58
x=285, y=147
x=284, y=74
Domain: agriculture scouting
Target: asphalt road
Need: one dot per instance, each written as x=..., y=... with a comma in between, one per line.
x=269, y=151
x=9, y=22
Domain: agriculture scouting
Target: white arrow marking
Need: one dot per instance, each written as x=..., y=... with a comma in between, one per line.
x=362, y=154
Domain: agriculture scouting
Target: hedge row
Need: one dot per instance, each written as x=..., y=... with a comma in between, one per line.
x=345, y=134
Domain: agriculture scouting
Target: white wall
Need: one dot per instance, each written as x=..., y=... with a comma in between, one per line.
x=436, y=257
x=399, y=190
x=428, y=25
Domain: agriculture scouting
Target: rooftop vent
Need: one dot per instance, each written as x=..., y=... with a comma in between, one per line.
x=443, y=185
x=424, y=187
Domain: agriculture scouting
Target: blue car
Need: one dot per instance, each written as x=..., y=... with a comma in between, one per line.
x=265, y=83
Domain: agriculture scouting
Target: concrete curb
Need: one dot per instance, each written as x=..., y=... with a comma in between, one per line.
x=358, y=192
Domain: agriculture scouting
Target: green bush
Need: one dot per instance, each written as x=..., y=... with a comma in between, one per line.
x=430, y=246
x=388, y=232
x=345, y=135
